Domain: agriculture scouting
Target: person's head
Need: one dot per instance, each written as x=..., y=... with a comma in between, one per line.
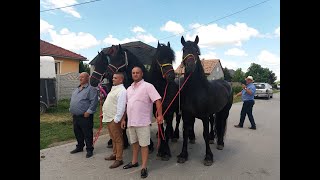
x=137, y=74
x=117, y=78
x=84, y=78
x=249, y=79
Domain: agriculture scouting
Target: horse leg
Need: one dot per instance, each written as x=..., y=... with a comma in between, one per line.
x=109, y=144
x=187, y=123
x=208, y=160
x=212, y=130
x=192, y=136
x=176, y=131
x=168, y=135
x=221, y=122
x=125, y=139
x=161, y=150
x=150, y=146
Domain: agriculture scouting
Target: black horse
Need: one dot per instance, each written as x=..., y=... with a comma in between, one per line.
x=162, y=77
x=201, y=98
x=122, y=60
x=97, y=76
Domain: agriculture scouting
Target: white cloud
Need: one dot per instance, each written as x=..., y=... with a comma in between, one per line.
x=73, y=41
x=147, y=38
x=45, y=26
x=138, y=29
x=110, y=40
x=229, y=64
x=177, y=62
x=270, y=60
x=235, y=52
x=213, y=35
x=172, y=27
x=277, y=32
x=209, y=55
x=48, y=4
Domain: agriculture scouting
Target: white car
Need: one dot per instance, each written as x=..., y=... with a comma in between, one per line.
x=263, y=90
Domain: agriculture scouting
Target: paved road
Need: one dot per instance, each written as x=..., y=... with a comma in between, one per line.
x=248, y=154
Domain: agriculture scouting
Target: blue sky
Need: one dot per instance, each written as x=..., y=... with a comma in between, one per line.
x=251, y=36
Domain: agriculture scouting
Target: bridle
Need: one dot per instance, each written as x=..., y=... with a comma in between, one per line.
x=101, y=75
x=189, y=56
x=115, y=69
x=164, y=74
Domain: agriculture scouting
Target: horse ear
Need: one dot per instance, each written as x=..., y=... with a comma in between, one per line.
x=168, y=44
x=196, y=40
x=183, y=41
x=120, y=48
x=158, y=44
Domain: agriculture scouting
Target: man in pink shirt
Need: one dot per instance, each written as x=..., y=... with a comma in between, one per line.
x=140, y=98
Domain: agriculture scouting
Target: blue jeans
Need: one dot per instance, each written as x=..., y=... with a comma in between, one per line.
x=247, y=109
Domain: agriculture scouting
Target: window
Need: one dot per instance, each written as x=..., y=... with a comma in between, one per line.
x=260, y=86
x=57, y=67
x=218, y=69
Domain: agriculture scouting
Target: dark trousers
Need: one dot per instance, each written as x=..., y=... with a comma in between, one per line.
x=247, y=109
x=83, y=130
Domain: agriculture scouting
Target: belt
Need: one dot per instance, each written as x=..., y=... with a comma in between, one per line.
x=78, y=115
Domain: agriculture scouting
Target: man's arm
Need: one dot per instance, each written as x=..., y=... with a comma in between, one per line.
x=93, y=99
x=159, y=110
x=121, y=106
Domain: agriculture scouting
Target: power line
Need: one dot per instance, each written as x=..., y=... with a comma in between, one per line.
x=217, y=19
x=70, y=5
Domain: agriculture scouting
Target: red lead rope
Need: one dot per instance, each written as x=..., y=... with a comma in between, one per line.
x=96, y=136
x=165, y=92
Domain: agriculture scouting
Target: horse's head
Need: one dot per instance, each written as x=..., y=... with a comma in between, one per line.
x=190, y=54
x=118, y=60
x=100, y=67
x=164, y=57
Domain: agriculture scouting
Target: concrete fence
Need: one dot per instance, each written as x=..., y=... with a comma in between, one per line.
x=65, y=84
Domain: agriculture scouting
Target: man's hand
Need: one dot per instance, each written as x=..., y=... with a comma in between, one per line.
x=244, y=86
x=160, y=119
x=86, y=114
x=123, y=124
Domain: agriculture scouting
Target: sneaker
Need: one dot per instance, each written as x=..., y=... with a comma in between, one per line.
x=144, y=173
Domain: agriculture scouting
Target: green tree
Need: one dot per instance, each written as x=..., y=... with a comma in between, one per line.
x=261, y=74
x=238, y=75
x=83, y=67
x=227, y=75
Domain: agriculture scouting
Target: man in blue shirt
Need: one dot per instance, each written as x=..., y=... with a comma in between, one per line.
x=83, y=104
x=247, y=94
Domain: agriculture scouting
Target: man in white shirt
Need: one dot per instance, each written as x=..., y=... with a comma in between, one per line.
x=113, y=111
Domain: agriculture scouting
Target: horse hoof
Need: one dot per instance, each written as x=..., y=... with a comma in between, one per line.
x=211, y=141
x=181, y=160
x=192, y=141
x=208, y=162
x=220, y=147
x=165, y=158
x=174, y=140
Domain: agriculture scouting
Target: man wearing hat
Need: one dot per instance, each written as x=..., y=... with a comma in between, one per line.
x=247, y=94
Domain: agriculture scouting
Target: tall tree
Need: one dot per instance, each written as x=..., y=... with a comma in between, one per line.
x=238, y=75
x=83, y=67
x=261, y=74
x=227, y=75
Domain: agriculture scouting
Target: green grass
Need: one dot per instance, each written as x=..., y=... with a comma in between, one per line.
x=56, y=124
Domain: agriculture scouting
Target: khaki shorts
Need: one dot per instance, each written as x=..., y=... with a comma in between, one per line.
x=139, y=134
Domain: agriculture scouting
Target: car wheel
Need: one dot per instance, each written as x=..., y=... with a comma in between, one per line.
x=268, y=97
x=43, y=108
x=271, y=96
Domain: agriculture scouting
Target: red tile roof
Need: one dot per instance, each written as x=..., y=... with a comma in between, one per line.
x=208, y=66
x=48, y=49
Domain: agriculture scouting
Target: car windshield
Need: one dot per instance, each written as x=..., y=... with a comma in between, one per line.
x=260, y=86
